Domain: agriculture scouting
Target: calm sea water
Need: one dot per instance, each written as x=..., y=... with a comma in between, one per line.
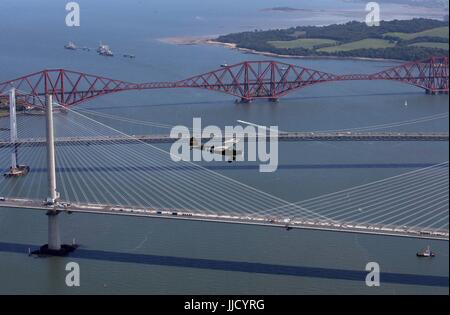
x=135, y=27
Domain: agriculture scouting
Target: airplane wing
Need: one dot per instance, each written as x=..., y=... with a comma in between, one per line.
x=231, y=141
x=264, y=128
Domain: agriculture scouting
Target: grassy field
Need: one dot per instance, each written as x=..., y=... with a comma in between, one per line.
x=434, y=32
x=431, y=45
x=369, y=43
x=307, y=43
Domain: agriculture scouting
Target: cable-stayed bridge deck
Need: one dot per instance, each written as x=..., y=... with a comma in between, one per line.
x=282, y=136
x=92, y=167
x=260, y=220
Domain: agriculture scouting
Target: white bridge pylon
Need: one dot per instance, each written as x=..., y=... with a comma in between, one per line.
x=13, y=126
x=54, y=238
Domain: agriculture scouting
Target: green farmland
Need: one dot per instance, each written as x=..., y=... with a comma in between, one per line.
x=369, y=43
x=441, y=32
x=307, y=43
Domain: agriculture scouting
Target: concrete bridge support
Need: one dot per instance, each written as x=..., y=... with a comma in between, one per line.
x=54, y=246
x=54, y=239
x=15, y=170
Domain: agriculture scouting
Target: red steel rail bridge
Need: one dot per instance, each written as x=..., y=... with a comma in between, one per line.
x=246, y=80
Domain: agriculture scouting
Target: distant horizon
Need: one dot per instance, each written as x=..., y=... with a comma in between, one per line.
x=353, y=21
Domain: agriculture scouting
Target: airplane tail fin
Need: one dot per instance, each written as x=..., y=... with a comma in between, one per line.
x=193, y=142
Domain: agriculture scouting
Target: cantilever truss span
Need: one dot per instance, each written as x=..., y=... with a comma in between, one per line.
x=246, y=80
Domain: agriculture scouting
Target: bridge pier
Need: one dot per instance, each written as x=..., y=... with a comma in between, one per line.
x=54, y=238
x=244, y=101
x=274, y=99
x=54, y=246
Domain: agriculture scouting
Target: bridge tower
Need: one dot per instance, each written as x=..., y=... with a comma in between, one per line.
x=436, y=76
x=15, y=169
x=273, y=83
x=54, y=239
x=13, y=126
x=54, y=246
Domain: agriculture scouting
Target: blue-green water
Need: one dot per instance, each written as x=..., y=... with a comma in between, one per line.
x=135, y=27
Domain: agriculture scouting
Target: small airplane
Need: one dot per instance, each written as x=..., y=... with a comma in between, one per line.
x=228, y=149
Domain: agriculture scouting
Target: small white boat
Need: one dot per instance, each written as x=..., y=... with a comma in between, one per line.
x=70, y=46
x=104, y=50
x=426, y=253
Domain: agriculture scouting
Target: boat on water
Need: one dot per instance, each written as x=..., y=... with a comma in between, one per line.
x=426, y=253
x=70, y=46
x=104, y=50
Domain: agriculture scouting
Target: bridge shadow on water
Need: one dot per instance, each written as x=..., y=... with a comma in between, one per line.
x=235, y=266
x=231, y=167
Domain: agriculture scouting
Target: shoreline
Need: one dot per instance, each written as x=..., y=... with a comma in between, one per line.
x=209, y=40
